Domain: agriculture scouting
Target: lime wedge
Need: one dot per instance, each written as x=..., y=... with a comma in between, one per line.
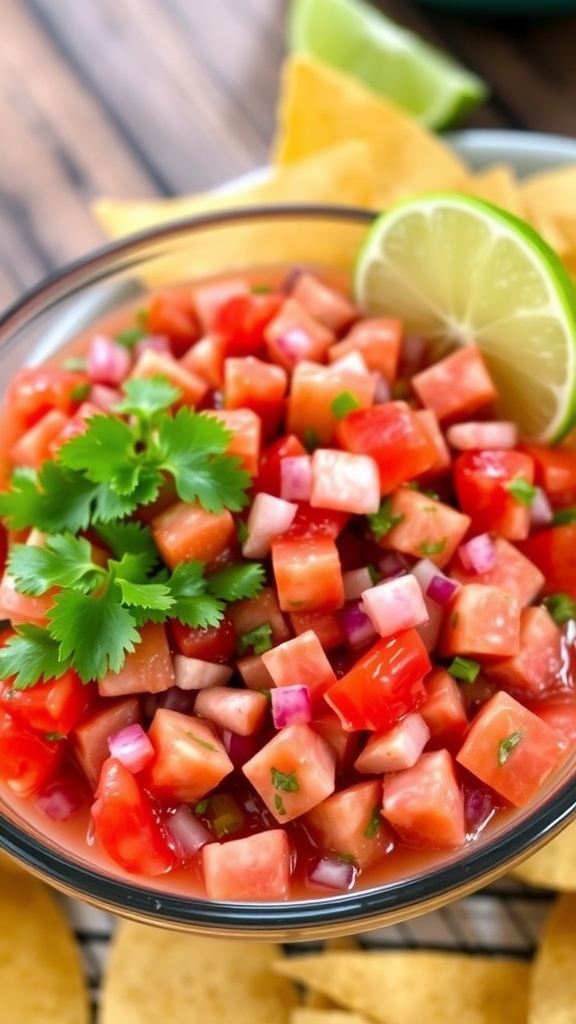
x=458, y=270
x=360, y=40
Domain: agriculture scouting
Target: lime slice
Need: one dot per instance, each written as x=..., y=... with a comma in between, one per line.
x=457, y=271
x=360, y=40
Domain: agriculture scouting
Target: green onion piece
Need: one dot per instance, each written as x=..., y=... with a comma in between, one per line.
x=564, y=516
x=344, y=403
x=259, y=640
x=506, y=746
x=522, y=491
x=464, y=669
x=131, y=336
x=225, y=815
x=561, y=608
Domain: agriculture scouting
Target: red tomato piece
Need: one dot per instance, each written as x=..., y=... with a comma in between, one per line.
x=394, y=437
x=52, y=707
x=90, y=736
x=378, y=340
x=346, y=745
x=425, y=804
x=245, y=428
x=511, y=749
x=553, y=551
x=294, y=335
x=327, y=626
x=214, y=643
x=300, y=660
x=560, y=713
x=331, y=307
x=308, y=574
x=457, y=385
x=205, y=358
x=210, y=296
x=242, y=320
x=33, y=392
x=555, y=472
x=485, y=483
x=313, y=522
x=21, y=608
x=189, y=758
x=349, y=823
x=34, y=447
x=125, y=823
x=444, y=710
x=172, y=313
x=253, y=384
x=253, y=612
x=147, y=669
x=255, y=867
x=513, y=572
x=27, y=759
x=537, y=668
x=384, y=684
x=293, y=772
x=186, y=532
x=481, y=620
x=192, y=387
x=269, y=477
x=313, y=391
x=240, y=711
x=424, y=527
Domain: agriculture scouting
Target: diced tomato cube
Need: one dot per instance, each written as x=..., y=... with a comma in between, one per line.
x=554, y=471
x=511, y=749
x=331, y=307
x=125, y=824
x=210, y=296
x=294, y=335
x=254, y=673
x=249, y=614
x=378, y=339
x=293, y=772
x=300, y=660
x=242, y=321
x=345, y=744
x=425, y=804
x=241, y=711
x=343, y=481
x=173, y=314
x=90, y=736
x=27, y=759
x=384, y=684
x=537, y=666
x=423, y=527
x=314, y=522
x=444, y=710
x=245, y=442
x=189, y=758
x=211, y=643
x=513, y=572
x=205, y=359
x=395, y=749
x=22, y=608
x=269, y=477
x=51, y=707
x=153, y=364
x=147, y=669
x=553, y=551
x=327, y=626
x=443, y=463
x=486, y=486
x=481, y=620
x=186, y=532
x=349, y=823
x=253, y=384
x=457, y=385
x=34, y=447
x=559, y=711
x=314, y=390
x=308, y=574
x=394, y=437
x=255, y=867
x=34, y=391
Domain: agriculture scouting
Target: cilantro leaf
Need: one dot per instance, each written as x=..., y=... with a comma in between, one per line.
x=147, y=396
x=192, y=447
x=154, y=596
x=236, y=582
x=193, y=605
x=95, y=632
x=19, y=505
x=523, y=491
x=131, y=336
x=104, y=453
x=384, y=520
x=32, y=655
x=64, y=561
x=132, y=538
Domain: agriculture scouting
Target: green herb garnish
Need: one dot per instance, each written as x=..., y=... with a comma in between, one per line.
x=522, y=491
x=382, y=521
x=344, y=403
x=258, y=640
x=561, y=607
x=506, y=746
x=285, y=781
x=464, y=669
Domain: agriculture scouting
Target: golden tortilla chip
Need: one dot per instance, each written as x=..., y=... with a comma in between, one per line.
x=316, y=1000
x=554, y=866
x=499, y=185
x=417, y=986
x=41, y=976
x=344, y=174
x=320, y=106
x=553, y=982
x=158, y=976
x=305, y=1015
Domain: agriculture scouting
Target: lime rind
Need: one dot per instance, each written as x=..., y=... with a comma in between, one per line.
x=391, y=60
x=459, y=270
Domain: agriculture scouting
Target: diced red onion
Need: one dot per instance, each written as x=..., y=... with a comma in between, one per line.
x=176, y=699
x=392, y=565
x=541, y=511
x=499, y=434
x=291, y=705
x=296, y=478
x=60, y=800
x=425, y=570
x=131, y=747
x=104, y=397
x=383, y=391
x=353, y=361
x=334, y=874
x=153, y=343
x=356, y=581
x=429, y=632
x=478, y=809
x=187, y=832
x=440, y=589
x=357, y=626
x=293, y=344
x=268, y=518
x=195, y=674
x=478, y=554
x=107, y=361
x=239, y=748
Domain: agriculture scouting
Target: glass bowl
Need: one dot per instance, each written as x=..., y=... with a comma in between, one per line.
x=49, y=317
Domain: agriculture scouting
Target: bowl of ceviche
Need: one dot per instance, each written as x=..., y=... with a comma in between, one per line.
x=273, y=664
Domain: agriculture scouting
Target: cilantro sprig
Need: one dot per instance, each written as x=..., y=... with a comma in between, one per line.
x=97, y=609
x=120, y=462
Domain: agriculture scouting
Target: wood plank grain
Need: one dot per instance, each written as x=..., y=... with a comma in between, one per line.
x=195, y=128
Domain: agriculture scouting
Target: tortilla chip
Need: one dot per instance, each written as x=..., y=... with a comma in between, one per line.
x=553, y=984
x=345, y=175
x=499, y=185
x=320, y=106
x=41, y=976
x=416, y=986
x=304, y=1015
x=155, y=976
x=316, y=1000
x=554, y=866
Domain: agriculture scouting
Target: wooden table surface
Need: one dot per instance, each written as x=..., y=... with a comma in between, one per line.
x=138, y=98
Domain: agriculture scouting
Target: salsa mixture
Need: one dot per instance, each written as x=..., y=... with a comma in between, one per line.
x=283, y=601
